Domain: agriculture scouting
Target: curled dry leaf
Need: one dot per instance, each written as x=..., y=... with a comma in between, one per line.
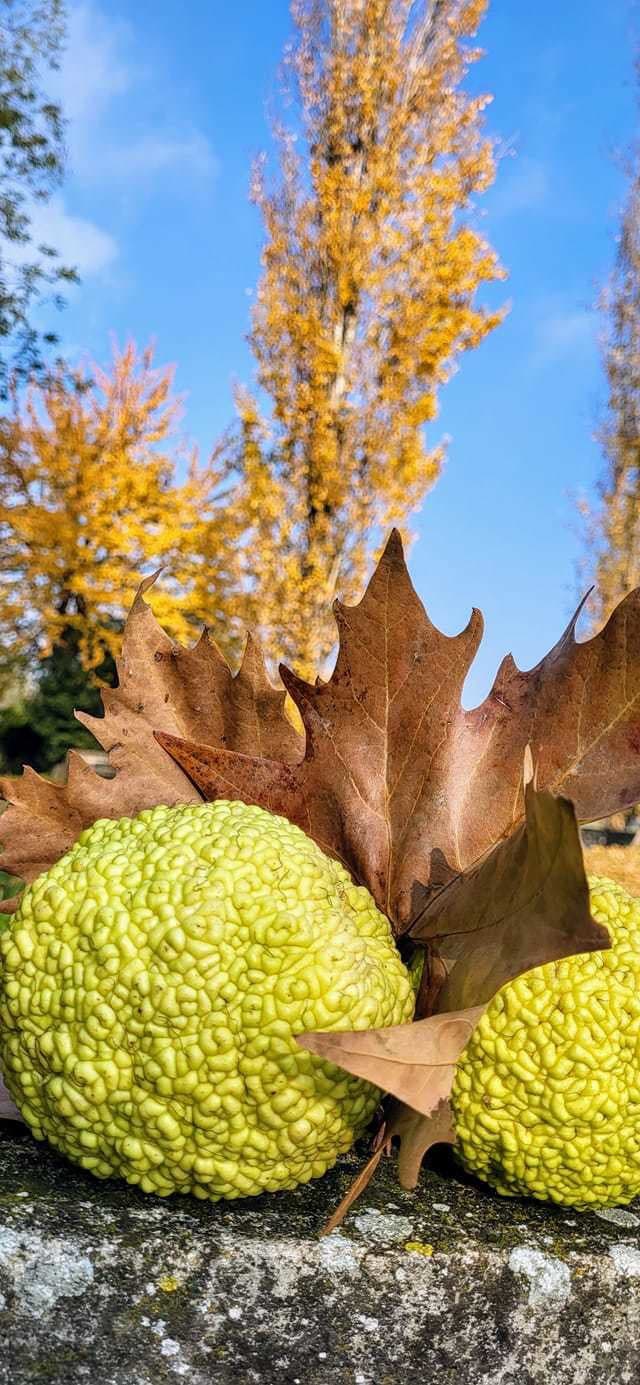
x=399, y=781
x=414, y=1062
x=160, y=685
x=417, y=1135
x=525, y=903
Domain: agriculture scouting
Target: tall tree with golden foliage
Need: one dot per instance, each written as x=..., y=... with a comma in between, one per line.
x=90, y=501
x=613, y=528
x=366, y=300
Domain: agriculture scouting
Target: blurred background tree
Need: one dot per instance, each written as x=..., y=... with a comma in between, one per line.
x=612, y=526
x=89, y=502
x=31, y=166
x=38, y=727
x=367, y=297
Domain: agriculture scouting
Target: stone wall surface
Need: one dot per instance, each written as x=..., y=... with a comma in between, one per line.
x=102, y=1284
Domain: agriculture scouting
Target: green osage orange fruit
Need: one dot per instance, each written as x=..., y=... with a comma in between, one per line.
x=152, y=983
x=546, y=1097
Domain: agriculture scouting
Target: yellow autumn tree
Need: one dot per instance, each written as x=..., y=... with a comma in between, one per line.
x=91, y=499
x=367, y=297
x=613, y=524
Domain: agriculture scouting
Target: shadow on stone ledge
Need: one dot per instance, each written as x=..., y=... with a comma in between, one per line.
x=102, y=1284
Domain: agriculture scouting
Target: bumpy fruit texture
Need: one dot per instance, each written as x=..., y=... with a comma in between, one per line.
x=547, y=1093
x=152, y=982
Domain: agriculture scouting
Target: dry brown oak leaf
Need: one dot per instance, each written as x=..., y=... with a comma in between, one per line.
x=161, y=686
x=399, y=781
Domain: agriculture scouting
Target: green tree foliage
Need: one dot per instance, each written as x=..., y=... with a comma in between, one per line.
x=31, y=166
x=41, y=728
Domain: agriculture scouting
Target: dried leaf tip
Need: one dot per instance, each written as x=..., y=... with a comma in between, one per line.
x=528, y=770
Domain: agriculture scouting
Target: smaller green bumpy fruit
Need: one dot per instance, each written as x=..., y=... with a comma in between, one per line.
x=546, y=1097
x=152, y=983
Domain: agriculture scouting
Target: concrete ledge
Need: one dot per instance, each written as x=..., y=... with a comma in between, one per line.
x=101, y=1284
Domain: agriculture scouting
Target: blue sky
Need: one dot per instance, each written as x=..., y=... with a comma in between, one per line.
x=167, y=107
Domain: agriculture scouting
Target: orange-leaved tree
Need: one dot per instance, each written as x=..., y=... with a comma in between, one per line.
x=371, y=266
x=91, y=499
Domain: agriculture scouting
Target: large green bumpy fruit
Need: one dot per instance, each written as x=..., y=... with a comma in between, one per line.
x=547, y=1093
x=152, y=982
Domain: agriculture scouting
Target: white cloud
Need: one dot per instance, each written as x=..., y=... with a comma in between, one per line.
x=98, y=83
x=93, y=69
x=154, y=153
x=521, y=186
x=100, y=67
x=79, y=242
x=564, y=333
